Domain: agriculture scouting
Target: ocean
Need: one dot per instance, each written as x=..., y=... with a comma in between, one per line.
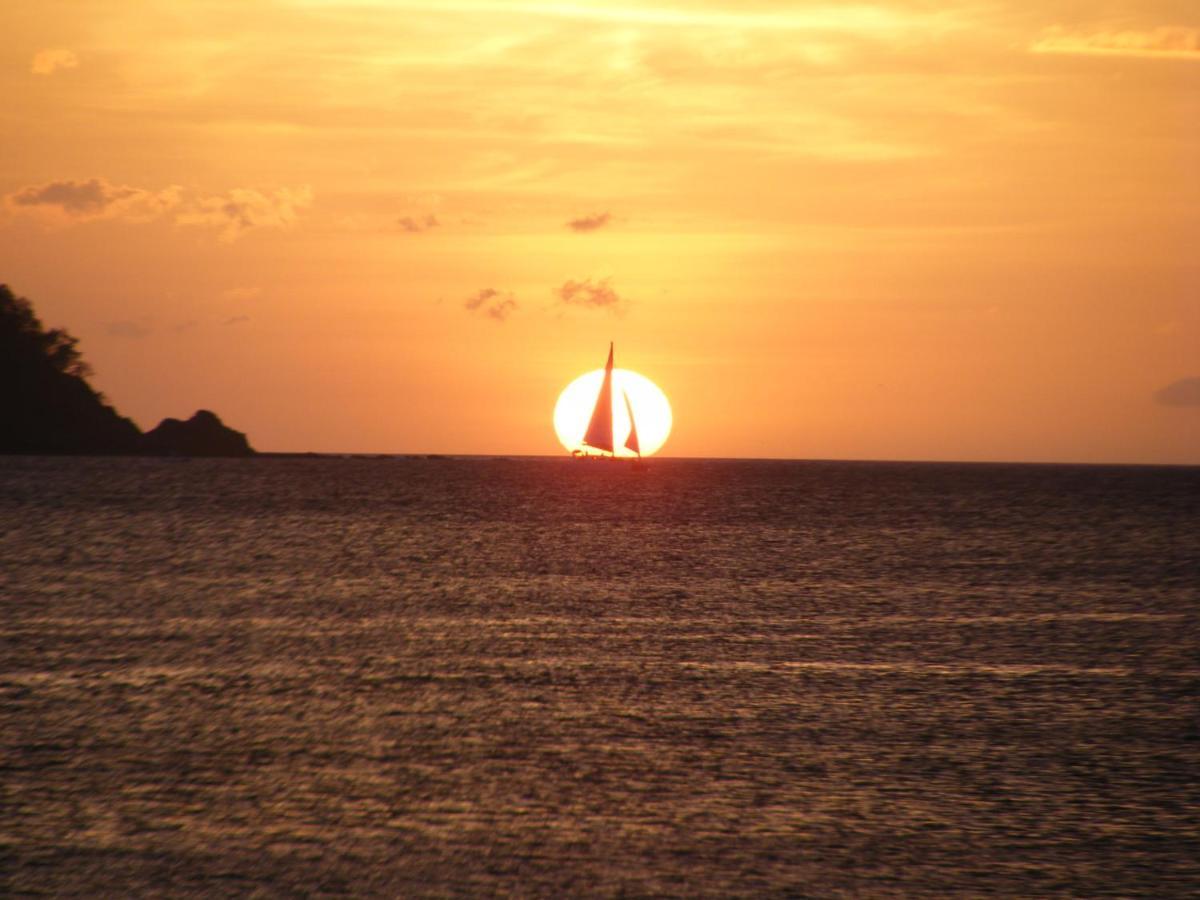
x=543, y=677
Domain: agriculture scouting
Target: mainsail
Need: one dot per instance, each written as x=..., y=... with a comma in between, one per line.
x=599, y=431
x=632, y=441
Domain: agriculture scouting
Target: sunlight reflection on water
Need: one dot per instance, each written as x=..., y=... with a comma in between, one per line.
x=472, y=676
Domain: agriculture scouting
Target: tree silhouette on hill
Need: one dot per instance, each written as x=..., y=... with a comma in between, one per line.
x=46, y=403
x=48, y=407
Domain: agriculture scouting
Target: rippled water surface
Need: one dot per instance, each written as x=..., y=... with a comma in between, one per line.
x=545, y=677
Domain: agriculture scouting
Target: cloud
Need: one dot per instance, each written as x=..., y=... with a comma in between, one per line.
x=590, y=223
x=1184, y=392
x=417, y=224
x=82, y=199
x=491, y=302
x=477, y=300
x=236, y=320
x=1173, y=42
x=241, y=209
x=232, y=213
x=858, y=18
x=50, y=60
x=589, y=294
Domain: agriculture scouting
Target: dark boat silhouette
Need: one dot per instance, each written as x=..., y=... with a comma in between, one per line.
x=599, y=434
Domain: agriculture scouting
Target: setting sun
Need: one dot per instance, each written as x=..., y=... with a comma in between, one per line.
x=651, y=411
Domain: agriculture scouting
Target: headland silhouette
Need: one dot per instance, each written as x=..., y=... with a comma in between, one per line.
x=47, y=405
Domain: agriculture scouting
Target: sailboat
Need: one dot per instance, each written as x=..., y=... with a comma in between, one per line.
x=599, y=432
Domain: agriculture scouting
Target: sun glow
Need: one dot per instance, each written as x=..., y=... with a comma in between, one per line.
x=650, y=409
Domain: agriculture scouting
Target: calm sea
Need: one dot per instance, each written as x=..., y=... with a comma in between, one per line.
x=543, y=677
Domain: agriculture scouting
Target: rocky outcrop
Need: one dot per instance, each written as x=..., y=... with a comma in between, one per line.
x=204, y=434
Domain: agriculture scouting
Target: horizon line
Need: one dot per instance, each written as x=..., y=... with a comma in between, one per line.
x=800, y=459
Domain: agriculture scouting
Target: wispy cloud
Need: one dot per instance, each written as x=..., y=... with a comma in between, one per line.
x=1184, y=392
x=590, y=223
x=50, y=60
x=498, y=305
x=832, y=16
x=589, y=294
x=76, y=198
x=93, y=198
x=232, y=213
x=417, y=224
x=1172, y=42
x=241, y=209
x=236, y=320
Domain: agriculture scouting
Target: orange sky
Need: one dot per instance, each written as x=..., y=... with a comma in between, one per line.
x=884, y=230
